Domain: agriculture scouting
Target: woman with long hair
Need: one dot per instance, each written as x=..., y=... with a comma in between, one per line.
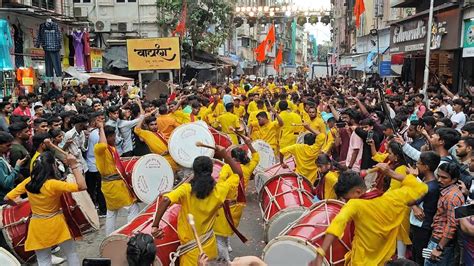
x=328, y=171
x=202, y=197
x=48, y=226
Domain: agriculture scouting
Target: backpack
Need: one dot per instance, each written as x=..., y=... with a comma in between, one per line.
x=464, y=176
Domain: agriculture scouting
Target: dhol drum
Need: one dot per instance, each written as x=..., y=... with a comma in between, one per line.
x=283, y=199
x=277, y=169
x=115, y=245
x=302, y=237
x=220, y=138
x=14, y=224
x=182, y=143
x=6, y=258
x=150, y=176
x=267, y=156
x=79, y=211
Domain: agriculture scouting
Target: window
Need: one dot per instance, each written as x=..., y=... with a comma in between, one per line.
x=126, y=1
x=245, y=42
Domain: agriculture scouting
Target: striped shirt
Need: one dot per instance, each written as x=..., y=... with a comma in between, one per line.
x=444, y=223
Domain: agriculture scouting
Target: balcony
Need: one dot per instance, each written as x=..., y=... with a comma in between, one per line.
x=58, y=10
x=404, y=3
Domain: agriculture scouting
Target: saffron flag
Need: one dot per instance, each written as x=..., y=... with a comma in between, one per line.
x=359, y=8
x=260, y=51
x=270, y=39
x=278, y=59
x=181, y=27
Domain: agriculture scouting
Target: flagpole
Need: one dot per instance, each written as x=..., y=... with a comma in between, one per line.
x=428, y=51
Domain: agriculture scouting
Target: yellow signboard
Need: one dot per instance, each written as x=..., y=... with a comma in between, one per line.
x=154, y=54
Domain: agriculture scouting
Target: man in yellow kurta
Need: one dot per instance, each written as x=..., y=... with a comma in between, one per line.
x=266, y=130
x=376, y=221
x=288, y=132
x=114, y=188
x=305, y=155
x=239, y=110
x=229, y=122
x=154, y=140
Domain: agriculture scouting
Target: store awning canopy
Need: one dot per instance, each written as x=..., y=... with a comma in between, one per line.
x=112, y=80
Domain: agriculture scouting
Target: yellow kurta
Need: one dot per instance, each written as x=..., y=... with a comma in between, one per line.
x=116, y=193
x=376, y=223
x=156, y=145
x=204, y=212
x=267, y=133
x=253, y=116
x=318, y=124
x=239, y=111
x=248, y=168
x=229, y=120
x=288, y=132
x=45, y=232
x=305, y=157
x=252, y=107
x=181, y=117
x=330, y=179
x=33, y=159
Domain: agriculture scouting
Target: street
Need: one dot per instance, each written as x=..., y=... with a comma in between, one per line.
x=251, y=226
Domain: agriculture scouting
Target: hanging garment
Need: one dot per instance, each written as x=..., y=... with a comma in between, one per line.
x=6, y=44
x=19, y=40
x=87, y=52
x=65, y=61
x=71, y=50
x=49, y=37
x=26, y=77
x=78, y=48
x=52, y=61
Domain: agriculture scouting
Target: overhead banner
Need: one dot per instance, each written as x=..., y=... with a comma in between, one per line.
x=468, y=39
x=153, y=54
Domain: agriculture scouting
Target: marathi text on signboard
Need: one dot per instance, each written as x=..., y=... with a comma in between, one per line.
x=153, y=54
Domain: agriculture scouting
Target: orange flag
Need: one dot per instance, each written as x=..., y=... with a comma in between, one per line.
x=278, y=59
x=260, y=51
x=359, y=8
x=270, y=39
x=181, y=27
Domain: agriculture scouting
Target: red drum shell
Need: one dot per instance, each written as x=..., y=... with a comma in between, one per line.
x=15, y=235
x=115, y=245
x=312, y=227
x=283, y=199
x=129, y=164
x=220, y=138
x=277, y=169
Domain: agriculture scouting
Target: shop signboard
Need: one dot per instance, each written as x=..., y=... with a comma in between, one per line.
x=154, y=54
x=468, y=39
x=96, y=59
x=385, y=68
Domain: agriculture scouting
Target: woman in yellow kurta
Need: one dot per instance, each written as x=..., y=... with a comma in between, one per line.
x=116, y=192
x=47, y=226
x=329, y=174
x=376, y=221
x=202, y=198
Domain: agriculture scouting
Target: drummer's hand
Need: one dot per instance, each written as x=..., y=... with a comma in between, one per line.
x=284, y=165
x=156, y=232
x=203, y=259
x=383, y=167
x=47, y=142
x=220, y=151
x=306, y=126
x=412, y=171
x=70, y=160
x=247, y=140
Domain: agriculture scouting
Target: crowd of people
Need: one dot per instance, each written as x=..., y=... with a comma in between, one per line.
x=339, y=131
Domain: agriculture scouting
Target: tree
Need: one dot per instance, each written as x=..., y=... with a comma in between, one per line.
x=208, y=23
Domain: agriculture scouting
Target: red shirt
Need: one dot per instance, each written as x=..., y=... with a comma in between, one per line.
x=22, y=112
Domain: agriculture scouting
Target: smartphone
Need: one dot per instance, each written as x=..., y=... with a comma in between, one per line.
x=340, y=124
x=370, y=137
x=96, y=262
x=464, y=211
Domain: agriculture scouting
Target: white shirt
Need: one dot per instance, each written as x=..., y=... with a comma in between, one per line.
x=77, y=146
x=90, y=156
x=459, y=119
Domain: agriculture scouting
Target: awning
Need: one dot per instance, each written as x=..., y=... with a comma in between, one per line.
x=112, y=80
x=229, y=61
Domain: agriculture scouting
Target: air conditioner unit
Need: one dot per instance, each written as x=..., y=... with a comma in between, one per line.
x=80, y=12
x=124, y=26
x=102, y=26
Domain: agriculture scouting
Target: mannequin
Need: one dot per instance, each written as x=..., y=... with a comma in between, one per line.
x=87, y=51
x=49, y=37
x=77, y=36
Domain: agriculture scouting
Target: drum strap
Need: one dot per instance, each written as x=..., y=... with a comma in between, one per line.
x=46, y=216
x=185, y=248
x=111, y=177
x=228, y=217
x=160, y=136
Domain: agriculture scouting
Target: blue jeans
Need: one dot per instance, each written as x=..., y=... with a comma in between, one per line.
x=52, y=61
x=447, y=257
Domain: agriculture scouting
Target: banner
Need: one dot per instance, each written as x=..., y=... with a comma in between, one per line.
x=468, y=39
x=96, y=59
x=293, y=43
x=153, y=54
x=385, y=68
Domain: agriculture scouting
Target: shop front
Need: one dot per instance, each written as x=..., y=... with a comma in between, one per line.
x=408, y=41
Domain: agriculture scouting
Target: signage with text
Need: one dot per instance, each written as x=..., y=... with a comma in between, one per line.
x=154, y=54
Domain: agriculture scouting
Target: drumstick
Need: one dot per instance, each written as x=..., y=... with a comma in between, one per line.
x=57, y=148
x=200, y=144
x=193, y=227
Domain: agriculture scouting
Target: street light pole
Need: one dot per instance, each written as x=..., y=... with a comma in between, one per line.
x=428, y=51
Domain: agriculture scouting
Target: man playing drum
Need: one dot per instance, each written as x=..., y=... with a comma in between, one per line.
x=117, y=194
x=376, y=221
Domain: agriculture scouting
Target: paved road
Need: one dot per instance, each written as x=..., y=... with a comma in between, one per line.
x=251, y=226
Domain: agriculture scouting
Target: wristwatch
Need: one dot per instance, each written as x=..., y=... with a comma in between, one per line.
x=439, y=248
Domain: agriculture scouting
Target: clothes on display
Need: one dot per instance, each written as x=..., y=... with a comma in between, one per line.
x=65, y=61
x=18, y=40
x=6, y=45
x=49, y=37
x=78, y=48
x=87, y=52
x=71, y=49
x=26, y=77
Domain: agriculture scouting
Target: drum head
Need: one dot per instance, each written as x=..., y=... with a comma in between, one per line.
x=114, y=247
x=182, y=143
x=287, y=250
x=152, y=175
x=85, y=203
x=267, y=156
x=6, y=258
x=278, y=223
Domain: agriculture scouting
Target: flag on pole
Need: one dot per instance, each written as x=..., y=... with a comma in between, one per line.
x=270, y=39
x=359, y=8
x=278, y=59
x=181, y=27
x=260, y=51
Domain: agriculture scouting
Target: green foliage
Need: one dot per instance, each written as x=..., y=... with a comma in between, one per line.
x=208, y=22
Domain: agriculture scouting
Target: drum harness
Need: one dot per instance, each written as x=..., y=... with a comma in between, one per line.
x=185, y=248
